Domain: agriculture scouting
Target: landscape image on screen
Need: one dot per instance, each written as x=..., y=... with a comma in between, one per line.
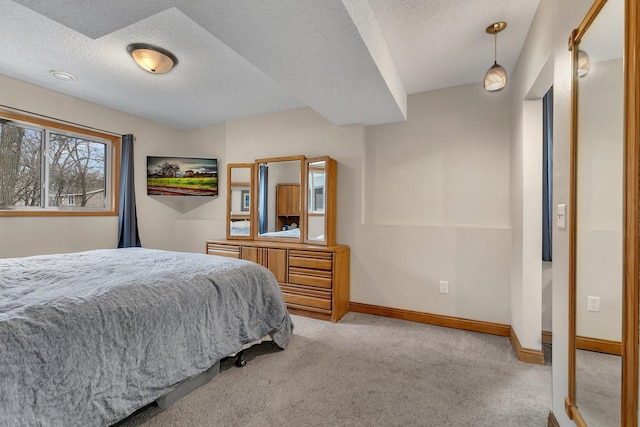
x=182, y=176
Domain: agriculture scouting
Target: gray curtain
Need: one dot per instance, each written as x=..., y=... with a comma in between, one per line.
x=127, y=221
x=547, y=174
x=263, y=205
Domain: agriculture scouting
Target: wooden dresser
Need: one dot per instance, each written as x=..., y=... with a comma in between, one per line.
x=314, y=279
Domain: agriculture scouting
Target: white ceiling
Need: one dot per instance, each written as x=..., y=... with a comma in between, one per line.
x=352, y=61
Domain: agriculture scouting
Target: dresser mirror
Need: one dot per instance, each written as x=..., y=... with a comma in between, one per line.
x=287, y=199
x=239, y=186
x=600, y=381
x=278, y=198
x=320, y=201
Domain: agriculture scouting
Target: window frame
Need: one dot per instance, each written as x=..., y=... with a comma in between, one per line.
x=114, y=147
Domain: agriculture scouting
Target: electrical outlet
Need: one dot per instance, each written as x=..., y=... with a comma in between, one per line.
x=593, y=303
x=444, y=287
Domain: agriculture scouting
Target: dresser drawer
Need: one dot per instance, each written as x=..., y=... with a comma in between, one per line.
x=223, y=250
x=308, y=277
x=300, y=296
x=311, y=259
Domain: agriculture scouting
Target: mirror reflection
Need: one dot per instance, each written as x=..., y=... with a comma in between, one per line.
x=599, y=218
x=316, y=196
x=279, y=199
x=240, y=200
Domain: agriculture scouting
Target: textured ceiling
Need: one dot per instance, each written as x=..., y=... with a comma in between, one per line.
x=352, y=61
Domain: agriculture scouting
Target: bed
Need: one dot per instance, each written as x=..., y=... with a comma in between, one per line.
x=240, y=227
x=87, y=338
x=292, y=232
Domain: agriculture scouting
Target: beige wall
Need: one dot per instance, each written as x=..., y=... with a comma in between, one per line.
x=455, y=228
x=600, y=188
x=167, y=223
x=187, y=221
x=437, y=207
x=443, y=230
x=447, y=165
x=302, y=131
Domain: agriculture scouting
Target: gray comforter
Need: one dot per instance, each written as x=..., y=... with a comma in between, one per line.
x=87, y=338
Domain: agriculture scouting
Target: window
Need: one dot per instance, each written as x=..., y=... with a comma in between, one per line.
x=48, y=168
x=316, y=191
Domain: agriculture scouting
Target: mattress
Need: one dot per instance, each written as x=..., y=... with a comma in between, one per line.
x=292, y=232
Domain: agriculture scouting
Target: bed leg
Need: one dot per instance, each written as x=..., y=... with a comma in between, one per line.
x=240, y=361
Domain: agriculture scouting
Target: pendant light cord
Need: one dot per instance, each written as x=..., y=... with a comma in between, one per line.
x=495, y=47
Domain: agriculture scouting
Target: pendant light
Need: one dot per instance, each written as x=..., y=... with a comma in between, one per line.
x=496, y=77
x=152, y=58
x=583, y=63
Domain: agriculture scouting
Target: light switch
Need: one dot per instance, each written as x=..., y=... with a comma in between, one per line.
x=561, y=215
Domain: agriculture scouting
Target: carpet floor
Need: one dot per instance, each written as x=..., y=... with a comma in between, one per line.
x=599, y=387
x=369, y=371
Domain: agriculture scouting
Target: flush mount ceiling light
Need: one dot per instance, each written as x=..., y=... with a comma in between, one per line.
x=62, y=75
x=583, y=63
x=496, y=77
x=152, y=58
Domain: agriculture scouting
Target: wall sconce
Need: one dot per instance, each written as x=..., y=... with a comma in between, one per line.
x=152, y=58
x=583, y=63
x=496, y=77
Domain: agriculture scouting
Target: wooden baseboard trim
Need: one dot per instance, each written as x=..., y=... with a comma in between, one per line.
x=567, y=408
x=525, y=354
x=591, y=344
x=572, y=412
x=552, y=421
x=602, y=346
x=433, y=319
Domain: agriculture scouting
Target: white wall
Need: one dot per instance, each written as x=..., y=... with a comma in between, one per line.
x=547, y=296
x=547, y=40
x=526, y=299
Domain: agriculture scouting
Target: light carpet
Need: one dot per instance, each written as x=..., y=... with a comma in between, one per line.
x=599, y=387
x=369, y=371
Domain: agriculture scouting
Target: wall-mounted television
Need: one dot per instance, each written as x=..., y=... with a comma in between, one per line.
x=182, y=176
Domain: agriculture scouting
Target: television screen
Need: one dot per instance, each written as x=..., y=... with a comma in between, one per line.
x=182, y=176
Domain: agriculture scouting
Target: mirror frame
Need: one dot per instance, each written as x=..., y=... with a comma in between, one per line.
x=631, y=209
x=249, y=236
x=330, y=169
x=256, y=190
